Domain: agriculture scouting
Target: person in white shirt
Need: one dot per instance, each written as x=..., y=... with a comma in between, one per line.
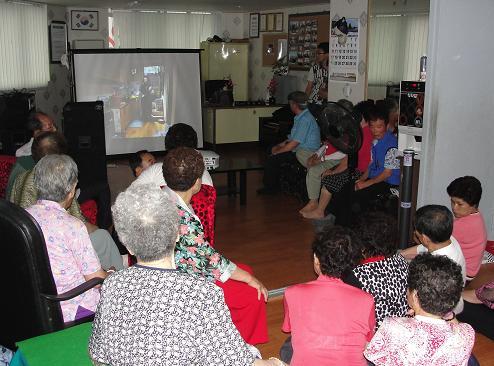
x=38, y=122
x=433, y=230
x=179, y=135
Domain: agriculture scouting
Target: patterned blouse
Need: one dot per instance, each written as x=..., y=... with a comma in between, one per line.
x=153, y=316
x=386, y=280
x=421, y=341
x=193, y=254
x=70, y=252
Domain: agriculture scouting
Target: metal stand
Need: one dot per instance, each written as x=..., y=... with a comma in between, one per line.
x=406, y=198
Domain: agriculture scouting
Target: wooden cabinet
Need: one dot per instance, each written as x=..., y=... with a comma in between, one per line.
x=234, y=124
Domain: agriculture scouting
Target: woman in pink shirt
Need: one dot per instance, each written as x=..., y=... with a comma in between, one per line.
x=426, y=339
x=468, y=228
x=330, y=321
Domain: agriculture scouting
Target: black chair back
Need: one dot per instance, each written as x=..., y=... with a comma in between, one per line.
x=25, y=273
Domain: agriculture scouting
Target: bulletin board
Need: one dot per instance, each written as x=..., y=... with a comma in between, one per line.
x=305, y=32
x=270, y=49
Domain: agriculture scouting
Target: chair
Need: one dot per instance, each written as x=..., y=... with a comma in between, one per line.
x=30, y=304
x=6, y=164
x=203, y=204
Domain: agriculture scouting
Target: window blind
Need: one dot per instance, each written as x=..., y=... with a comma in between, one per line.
x=24, y=54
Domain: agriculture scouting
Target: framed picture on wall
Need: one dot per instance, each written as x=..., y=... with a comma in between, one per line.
x=58, y=41
x=84, y=20
x=263, y=26
x=305, y=32
x=254, y=25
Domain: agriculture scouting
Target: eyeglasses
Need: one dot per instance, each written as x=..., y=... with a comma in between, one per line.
x=321, y=53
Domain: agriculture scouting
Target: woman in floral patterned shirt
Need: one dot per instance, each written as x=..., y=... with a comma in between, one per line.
x=245, y=295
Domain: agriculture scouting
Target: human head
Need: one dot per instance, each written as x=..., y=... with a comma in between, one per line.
x=465, y=193
x=322, y=53
x=433, y=223
x=336, y=251
x=55, y=177
x=146, y=221
x=297, y=101
x=47, y=143
x=392, y=108
x=140, y=161
x=378, y=233
x=180, y=134
x=40, y=122
x=435, y=282
x=378, y=122
x=183, y=168
x=365, y=108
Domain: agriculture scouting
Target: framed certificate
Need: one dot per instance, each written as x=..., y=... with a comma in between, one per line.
x=58, y=41
x=254, y=25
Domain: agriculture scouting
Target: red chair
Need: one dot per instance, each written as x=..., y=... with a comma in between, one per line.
x=6, y=164
x=203, y=204
x=89, y=209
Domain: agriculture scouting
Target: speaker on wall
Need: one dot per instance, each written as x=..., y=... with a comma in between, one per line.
x=84, y=129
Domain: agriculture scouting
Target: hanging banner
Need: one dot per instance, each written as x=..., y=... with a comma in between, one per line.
x=344, y=46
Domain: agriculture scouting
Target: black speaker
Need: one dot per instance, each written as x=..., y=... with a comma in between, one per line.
x=15, y=108
x=84, y=129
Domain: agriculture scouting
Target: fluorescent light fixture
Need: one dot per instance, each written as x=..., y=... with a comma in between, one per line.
x=175, y=12
x=200, y=12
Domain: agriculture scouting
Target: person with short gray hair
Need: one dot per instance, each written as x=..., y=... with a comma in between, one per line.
x=54, y=177
x=24, y=193
x=153, y=313
x=303, y=141
x=146, y=222
x=72, y=257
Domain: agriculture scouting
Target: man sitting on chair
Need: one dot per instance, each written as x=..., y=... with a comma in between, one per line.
x=303, y=141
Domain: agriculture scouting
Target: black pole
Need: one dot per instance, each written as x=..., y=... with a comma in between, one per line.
x=406, y=198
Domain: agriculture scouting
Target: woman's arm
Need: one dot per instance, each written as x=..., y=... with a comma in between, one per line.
x=244, y=276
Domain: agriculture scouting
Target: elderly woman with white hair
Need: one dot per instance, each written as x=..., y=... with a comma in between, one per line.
x=152, y=313
x=72, y=257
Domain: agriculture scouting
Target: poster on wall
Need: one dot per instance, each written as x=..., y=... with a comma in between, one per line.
x=344, y=47
x=305, y=32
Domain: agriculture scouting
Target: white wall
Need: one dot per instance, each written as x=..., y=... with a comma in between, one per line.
x=459, y=118
x=53, y=97
x=259, y=75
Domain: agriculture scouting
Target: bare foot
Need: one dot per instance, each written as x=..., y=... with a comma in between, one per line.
x=310, y=206
x=314, y=214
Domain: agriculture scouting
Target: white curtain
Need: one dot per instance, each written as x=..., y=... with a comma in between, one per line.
x=24, y=54
x=161, y=30
x=396, y=44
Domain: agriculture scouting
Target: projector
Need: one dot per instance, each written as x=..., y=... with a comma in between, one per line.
x=211, y=159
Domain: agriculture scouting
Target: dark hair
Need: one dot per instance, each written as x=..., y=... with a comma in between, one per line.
x=435, y=221
x=363, y=108
x=135, y=160
x=298, y=97
x=181, y=168
x=33, y=123
x=467, y=188
x=337, y=249
x=180, y=134
x=47, y=143
x=382, y=111
x=438, y=282
x=378, y=233
x=324, y=46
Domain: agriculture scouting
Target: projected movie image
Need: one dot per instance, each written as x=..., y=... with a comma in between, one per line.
x=143, y=95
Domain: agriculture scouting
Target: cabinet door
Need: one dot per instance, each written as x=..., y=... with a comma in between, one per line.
x=236, y=125
x=240, y=125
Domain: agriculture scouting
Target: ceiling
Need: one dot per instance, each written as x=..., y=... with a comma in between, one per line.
x=189, y=5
